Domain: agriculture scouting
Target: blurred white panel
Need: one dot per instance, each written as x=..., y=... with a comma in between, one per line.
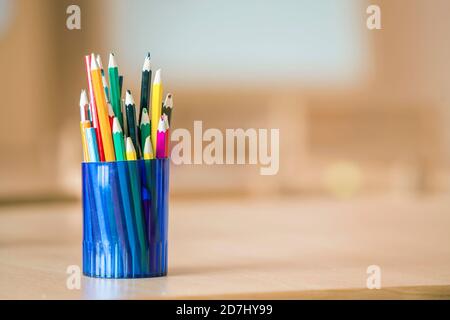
x=262, y=42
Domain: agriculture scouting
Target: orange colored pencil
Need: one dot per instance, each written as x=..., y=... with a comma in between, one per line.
x=102, y=110
x=93, y=109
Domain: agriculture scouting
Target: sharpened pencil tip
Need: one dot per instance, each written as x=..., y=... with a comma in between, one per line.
x=148, y=147
x=129, y=98
x=145, y=118
x=99, y=61
x=116, y=125
x=146, y=66
x=130, y=146
x=83, y=98
x=94, y=64
x=157, y=79
x=112, y=61
x=162, y=124
x=168, y=102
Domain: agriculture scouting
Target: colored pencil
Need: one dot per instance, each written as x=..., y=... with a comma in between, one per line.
x=119, y=143
x=157, y=91
x=144, y=127
x=93, y=108
x=131, y=120
x=91, y=141
x=130, y=150
x=124, y=116
x=161, y=139
x=110, y=115
x=105, y=84
x=84, y=123
x=114, y=84
x=148, y=150
x=136, y=196
x=102, y=110
x=145, y=85
x=120, y=84
x=167, y=138
x=167, y=107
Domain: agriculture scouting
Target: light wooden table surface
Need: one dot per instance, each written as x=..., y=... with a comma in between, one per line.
x=280, y=248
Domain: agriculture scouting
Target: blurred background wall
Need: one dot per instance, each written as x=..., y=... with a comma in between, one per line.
x=360, y=112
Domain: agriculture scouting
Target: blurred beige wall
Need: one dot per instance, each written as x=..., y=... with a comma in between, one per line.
x=388, y=133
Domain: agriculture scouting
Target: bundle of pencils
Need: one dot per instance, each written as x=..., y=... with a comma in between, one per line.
x=112, y=128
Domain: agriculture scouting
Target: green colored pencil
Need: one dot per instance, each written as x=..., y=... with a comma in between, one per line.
x=119, y=142
x=137, y=204
x=131, y=122
x=145, y=85
x=113, y=73
x=144, y=127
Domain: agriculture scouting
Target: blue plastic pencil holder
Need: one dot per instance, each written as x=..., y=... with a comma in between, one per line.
x=125, y=218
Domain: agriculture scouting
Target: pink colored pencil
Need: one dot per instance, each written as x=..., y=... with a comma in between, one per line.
x=93, y=108
x=161, y=138
x=167, y=138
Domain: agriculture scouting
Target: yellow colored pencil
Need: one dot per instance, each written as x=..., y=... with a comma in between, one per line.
x=84, y=123
x=157, y=96
x=102, y=110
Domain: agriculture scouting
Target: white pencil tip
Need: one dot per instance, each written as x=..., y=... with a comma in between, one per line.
x=130, y=146
x=157, y=79
x=144, y=118
x=146, y=66
x=162, y=124
x=83, y=98
x=112, y=61
x=129, y=98
x=94, y=64
x=116, y=125
x=148, y=146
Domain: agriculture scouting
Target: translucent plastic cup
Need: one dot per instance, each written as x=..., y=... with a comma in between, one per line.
x=125, y=218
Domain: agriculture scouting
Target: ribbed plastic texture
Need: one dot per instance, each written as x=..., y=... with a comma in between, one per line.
x=125, y=218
